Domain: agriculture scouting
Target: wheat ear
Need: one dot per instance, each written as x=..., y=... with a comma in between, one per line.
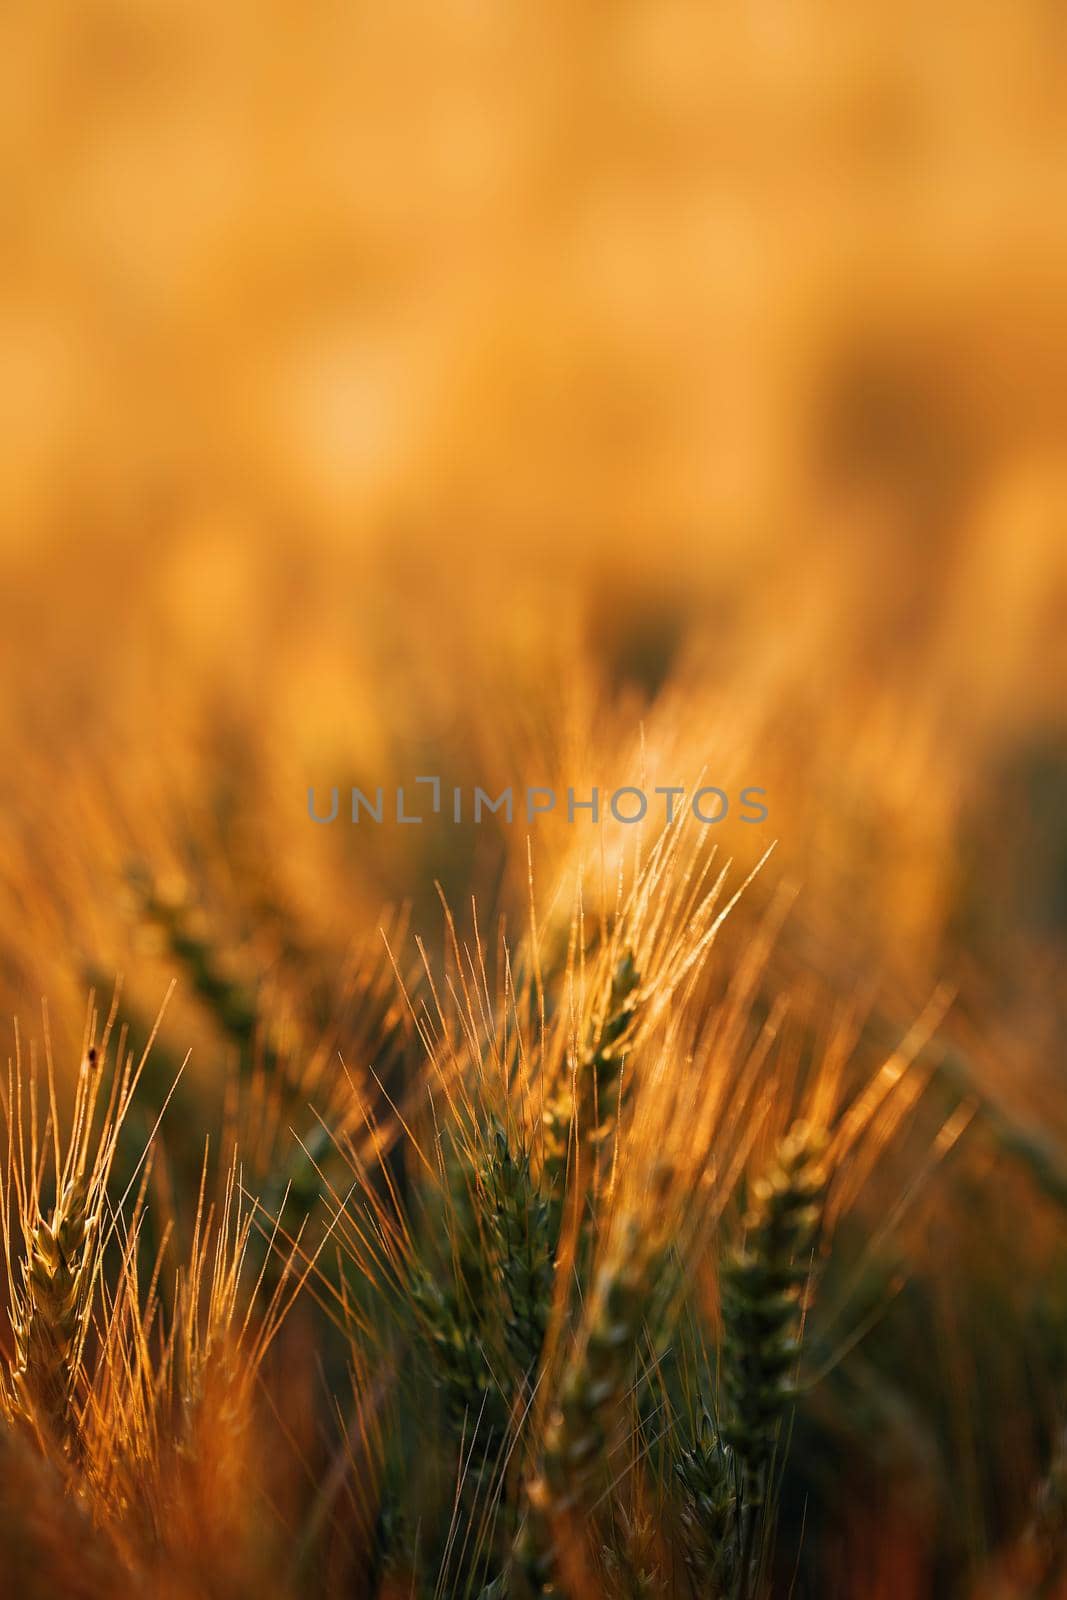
x=763, y=1298
x=46, y=1315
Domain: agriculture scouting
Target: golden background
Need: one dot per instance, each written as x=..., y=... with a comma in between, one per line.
x=385, y=386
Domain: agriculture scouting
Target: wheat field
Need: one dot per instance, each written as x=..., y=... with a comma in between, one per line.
x=652, y=400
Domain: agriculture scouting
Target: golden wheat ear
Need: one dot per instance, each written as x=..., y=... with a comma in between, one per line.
x=53, y=1254
x=46, y=1315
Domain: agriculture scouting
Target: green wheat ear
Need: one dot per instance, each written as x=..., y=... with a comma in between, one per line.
x=457, y=1358
x=476, y=1408
x=188, y=941
x=595, y=1100
x=763, y=1293
x=708, y=1481
x=764, y=1287
x=631, y=1561
x=602, y=1079
x=521, y=1235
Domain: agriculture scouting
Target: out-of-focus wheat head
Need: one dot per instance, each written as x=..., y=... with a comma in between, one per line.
x=142, y=1399
x=55, y=1220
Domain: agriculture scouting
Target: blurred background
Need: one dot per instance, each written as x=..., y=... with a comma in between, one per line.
x=485, y=390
